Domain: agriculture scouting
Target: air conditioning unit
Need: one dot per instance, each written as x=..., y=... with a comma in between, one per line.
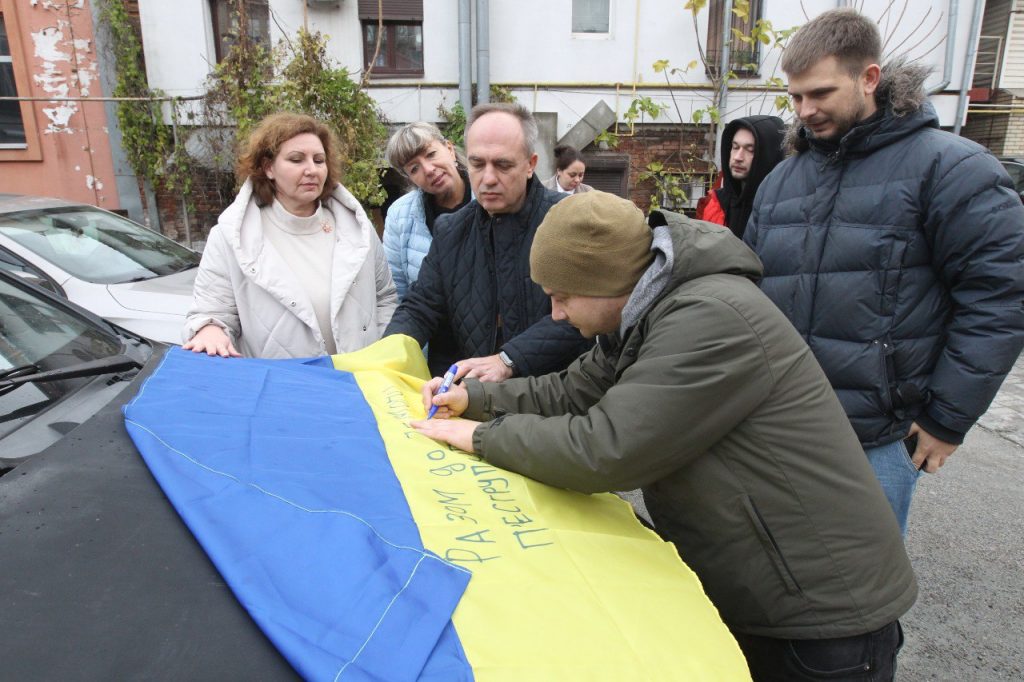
x=323, y=4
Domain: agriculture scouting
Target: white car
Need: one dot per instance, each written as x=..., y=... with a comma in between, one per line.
x=109, y=265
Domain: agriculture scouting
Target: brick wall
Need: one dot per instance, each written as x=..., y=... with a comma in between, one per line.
x=212, y=192
x=678, y=147
x=1002, y=134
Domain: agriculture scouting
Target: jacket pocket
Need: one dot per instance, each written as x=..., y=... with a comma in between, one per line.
x=771, y=547
x=890, y=268
x=886, y=372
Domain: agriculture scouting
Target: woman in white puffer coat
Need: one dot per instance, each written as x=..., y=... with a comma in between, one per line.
x=294, y=267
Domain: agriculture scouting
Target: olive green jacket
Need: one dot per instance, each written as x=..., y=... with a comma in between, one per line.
x=714, y=405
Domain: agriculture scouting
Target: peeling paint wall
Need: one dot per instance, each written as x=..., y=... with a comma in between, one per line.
x=59, y=46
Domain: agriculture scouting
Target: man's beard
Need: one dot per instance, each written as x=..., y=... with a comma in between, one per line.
x=844, y=124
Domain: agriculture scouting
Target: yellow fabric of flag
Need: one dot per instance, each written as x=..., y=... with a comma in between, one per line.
x=565, y=586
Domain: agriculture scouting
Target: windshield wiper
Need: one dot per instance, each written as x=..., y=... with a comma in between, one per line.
x=19, y=371
x=107, y=365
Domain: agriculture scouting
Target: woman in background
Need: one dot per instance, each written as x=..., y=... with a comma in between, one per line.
x=293, y=267
x=422, y=155
x=569, y=170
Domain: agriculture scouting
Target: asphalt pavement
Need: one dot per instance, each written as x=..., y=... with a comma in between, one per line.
x=966, y=542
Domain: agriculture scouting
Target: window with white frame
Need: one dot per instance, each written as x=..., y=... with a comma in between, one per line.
x=591, y=16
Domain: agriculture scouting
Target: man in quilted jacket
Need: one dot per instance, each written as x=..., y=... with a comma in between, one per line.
x=473, y=301
x=895, y=249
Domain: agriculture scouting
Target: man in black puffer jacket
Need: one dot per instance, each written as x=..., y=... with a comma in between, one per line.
x=896, y=250
x=473, y=300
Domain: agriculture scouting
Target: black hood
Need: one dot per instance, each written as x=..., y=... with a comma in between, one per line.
x=737, y=198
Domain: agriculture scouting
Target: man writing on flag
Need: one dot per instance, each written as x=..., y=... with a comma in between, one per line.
x=701, y=393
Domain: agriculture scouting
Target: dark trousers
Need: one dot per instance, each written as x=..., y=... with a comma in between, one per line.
x=864, y=658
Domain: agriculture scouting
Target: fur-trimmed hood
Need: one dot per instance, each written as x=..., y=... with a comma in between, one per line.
x=900, y=94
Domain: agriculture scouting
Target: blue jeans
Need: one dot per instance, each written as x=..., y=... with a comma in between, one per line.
x=869, y=657
x=897, y=475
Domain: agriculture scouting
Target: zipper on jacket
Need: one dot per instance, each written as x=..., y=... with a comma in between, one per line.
x=831, y=159
x=492, y=266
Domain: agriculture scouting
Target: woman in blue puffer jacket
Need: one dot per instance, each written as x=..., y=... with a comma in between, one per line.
x=438, y=170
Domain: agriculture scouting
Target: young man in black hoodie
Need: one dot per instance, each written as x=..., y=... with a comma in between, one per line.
x=751, y=148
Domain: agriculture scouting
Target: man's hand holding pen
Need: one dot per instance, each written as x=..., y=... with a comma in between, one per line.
x=452, y=403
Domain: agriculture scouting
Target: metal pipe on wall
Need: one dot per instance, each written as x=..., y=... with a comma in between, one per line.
x=465, y=56
x=636, y=43
x=972, y=53
x=723, y=69
x=483, y=52
x=953, y=9
x=726, y=57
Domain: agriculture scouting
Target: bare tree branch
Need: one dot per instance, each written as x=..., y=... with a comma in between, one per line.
x=925, y=37
x=899, y=21
x=885, y=11
x=932, y=48
x=284, y=34
x=376, y=49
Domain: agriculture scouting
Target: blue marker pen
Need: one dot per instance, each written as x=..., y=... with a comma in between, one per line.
x=446, y=383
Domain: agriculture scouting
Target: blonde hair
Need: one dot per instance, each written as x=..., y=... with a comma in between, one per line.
x=264, y=143
x=411, y=140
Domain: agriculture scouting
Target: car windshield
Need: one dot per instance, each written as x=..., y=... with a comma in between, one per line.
x=36, y=333
x=1016, y=173
x=96, y=246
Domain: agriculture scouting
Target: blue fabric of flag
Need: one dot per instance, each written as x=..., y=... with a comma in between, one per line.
x=279, y=471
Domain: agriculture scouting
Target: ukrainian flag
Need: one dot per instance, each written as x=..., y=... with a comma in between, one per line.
x=366, y=551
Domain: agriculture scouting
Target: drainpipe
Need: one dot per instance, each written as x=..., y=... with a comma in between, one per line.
x=726, y=45
x=972, y=53
x=636, y=44
x=483, y=53
x=465, y=57
x=126, y=182
x=953, y=10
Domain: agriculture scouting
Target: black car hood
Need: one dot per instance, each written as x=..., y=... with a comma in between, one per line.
x=100, y=579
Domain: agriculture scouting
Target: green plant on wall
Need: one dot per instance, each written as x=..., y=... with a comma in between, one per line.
x=671, y=174
x=455, y=117
x=500, y=93
x=668, y=185
x=310, y=83
x=455, y=123
x=148, y=142
x=168, y=149
x=235, y=98
x=236, y=91
x=298, y=75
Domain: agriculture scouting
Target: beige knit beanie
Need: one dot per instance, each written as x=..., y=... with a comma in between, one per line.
x=591, y=244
